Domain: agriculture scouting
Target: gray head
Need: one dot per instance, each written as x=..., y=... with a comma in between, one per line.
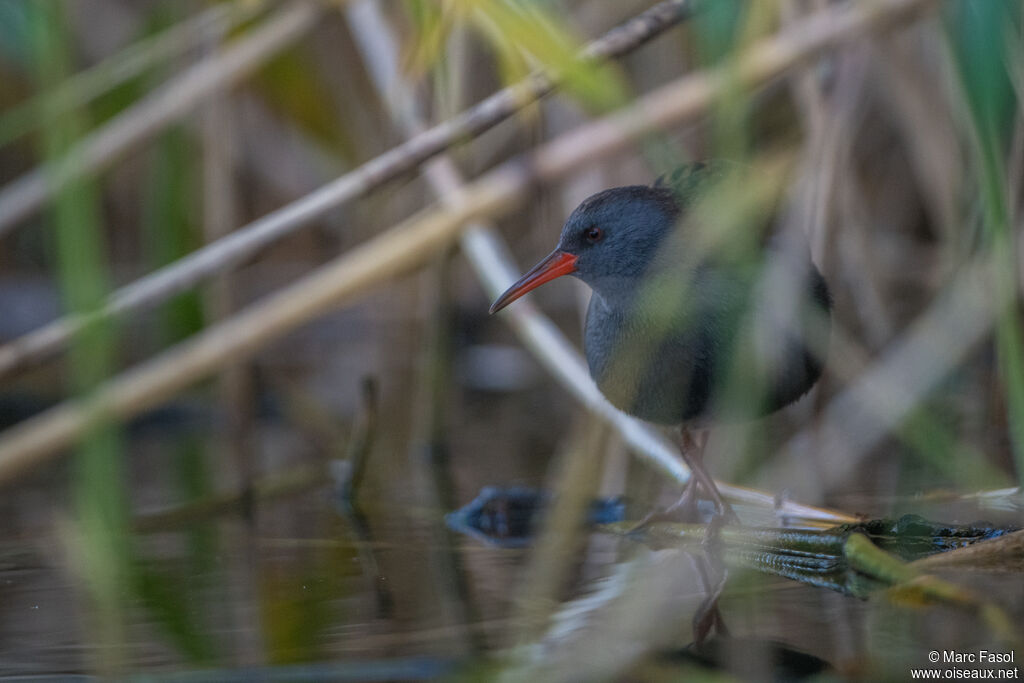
x=608, y=241
x=615, y=234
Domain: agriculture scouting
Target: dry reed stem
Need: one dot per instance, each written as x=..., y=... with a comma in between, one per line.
x=876, y=402
x=128, y=63
x=247, y=241
x=24, y=196
x=487, y=253
x=415, y=240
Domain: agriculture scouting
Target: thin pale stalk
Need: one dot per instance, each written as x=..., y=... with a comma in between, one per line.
x=247, y=241
x=22, y=197
x=488, y=255
x=128, y=63
x=416, y=240
x=880, y=399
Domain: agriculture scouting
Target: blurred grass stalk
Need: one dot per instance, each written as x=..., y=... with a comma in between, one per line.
x=980, y=39
x=100, y=545
x=130, y=62
x=176, y=99
x=407, y=245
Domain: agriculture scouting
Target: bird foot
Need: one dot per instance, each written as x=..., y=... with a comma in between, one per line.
x=724, y=511
x=683, y=510
x=686, y=510
x=691, y=448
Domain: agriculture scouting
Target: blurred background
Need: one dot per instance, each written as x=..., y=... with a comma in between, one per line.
x=209, y=533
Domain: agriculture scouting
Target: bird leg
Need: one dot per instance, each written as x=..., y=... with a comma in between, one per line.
x=713, y=573
x=708, y=616
x=691, y=448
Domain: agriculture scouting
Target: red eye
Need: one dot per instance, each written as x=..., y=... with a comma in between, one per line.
x=593, y=234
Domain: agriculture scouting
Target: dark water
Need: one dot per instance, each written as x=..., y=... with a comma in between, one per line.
x=302, y=590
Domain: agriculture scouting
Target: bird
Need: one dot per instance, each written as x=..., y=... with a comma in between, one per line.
x=690, y=325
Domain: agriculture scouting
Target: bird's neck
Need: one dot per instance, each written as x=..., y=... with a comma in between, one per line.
x=658, y=293
x=616, y=294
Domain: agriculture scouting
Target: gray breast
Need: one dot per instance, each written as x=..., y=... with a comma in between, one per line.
x=671, y=364
x=657, y=370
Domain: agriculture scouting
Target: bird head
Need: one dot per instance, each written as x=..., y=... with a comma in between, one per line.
x=609, y=241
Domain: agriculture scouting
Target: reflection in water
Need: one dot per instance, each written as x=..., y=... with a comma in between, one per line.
x=355, y=598
x=507, y=517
